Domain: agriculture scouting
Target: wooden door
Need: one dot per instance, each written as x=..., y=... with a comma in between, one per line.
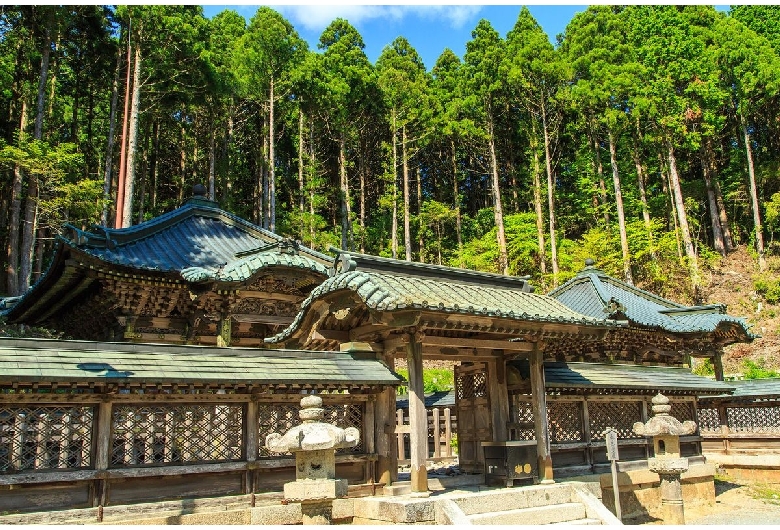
x=473, y=408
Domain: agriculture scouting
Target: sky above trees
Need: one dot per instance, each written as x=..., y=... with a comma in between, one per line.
x=428, y=28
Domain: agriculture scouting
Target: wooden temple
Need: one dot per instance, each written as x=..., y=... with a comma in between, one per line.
x=196, y=275
x=218, y=326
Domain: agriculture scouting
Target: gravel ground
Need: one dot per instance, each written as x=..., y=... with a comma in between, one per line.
x=734, y=505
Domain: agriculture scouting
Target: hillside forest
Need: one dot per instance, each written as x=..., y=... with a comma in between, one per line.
x=647, y=138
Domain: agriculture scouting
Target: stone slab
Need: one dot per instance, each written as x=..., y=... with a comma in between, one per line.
x=558, y=513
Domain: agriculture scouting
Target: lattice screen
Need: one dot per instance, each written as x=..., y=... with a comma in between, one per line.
x=754, y=419
x=281, y=417
x=708, y=420
x=620, y=415
x=45, y=438
x=682, y=410
x=472, y=385
x=147, y=435
x=565, y=421
x=523, y=413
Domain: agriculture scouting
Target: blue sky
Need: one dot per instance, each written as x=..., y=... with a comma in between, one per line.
x=429, y=28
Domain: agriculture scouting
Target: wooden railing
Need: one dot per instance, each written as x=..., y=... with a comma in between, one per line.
x=442, y=425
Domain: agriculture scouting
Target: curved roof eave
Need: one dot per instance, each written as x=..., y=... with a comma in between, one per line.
x=424, y=294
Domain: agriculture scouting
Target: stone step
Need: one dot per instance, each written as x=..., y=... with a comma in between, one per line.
x=514, y=498
x=554, y=513
x=578, y=522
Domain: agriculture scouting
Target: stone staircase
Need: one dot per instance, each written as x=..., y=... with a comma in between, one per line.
x=566, y=503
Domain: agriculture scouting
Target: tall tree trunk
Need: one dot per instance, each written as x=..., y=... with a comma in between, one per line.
x=728, y=240
x=362, y=205
x=754, y=197
x=671, y=219
x=345, y=200
x=301, y=190
x=707, y=167
x=31, y=204
x=16, y=214
x=213, y=164
x=153, y=166
x=420, y=241
x=144, y=174
x=107, y=178
x=407, y=215
x=640, y=182
x=132, y=142
x=538, y=201
x=599, y=173
x=550, y=195
x=690, y=252
x=312, y=173
x=271, y=160
x=394, y=220
x=498, y=210
x=120, y=187
x=456, y=200
x=620, y=212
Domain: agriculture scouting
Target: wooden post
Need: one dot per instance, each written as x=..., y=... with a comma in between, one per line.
x=717, y=363
x=418, y=421
x=436, y=433
x=539, y=404
x=369, y=439
x=499, y=399
x=448, y=431
x=400, y=436
x=252, y=443
x=225, y=331
x=724, y=426
x=586, y=433
x=102, y=451
x=384, y=418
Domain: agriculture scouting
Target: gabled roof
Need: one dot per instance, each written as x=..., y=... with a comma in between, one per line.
x=198, y=234
x=43, y=360
x=386, y=285
x=598, y=295
x=198, y=242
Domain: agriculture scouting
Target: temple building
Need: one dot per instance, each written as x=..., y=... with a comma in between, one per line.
x=228, y=324
x=195, y=275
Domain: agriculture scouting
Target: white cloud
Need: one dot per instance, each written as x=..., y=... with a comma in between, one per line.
x=317, y=17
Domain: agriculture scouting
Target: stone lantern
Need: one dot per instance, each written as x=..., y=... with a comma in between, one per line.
x=314, y=445
x=667, y=462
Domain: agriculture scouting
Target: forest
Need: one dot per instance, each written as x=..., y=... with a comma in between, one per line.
x=647, y=137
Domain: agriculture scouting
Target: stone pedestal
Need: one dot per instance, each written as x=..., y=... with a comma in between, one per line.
x=314, y=444
x=666, y=431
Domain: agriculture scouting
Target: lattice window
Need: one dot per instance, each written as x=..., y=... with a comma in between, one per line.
x=754, y=419
x=709, y=420
x=149, y=435
x=682, y=410
x=472, y=385
x=523, y=415
x=281, y=417
x=45, y=438
x=621, y=415
x=564, y=419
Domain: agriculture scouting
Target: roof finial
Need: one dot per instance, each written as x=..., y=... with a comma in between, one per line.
x=199, y=190
x=589, y=262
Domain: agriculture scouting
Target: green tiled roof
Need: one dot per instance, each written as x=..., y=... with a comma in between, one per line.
x=390, y=292
x=754, y=388
x=596, y=294
x=41, y=360
x=629, y=377
x=242, y=269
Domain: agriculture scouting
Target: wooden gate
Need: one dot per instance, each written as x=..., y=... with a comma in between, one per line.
x=473, y=411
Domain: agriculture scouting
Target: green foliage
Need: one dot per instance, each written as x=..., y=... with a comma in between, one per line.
x=757, y=370
x=768, y=286
x=704, y=368
x=434, y=380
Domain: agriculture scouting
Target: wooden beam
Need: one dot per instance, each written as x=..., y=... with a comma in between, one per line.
x=457, y=342
x=331, y=334
x=541, y=427
x=262, y=319
x=270, y=296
